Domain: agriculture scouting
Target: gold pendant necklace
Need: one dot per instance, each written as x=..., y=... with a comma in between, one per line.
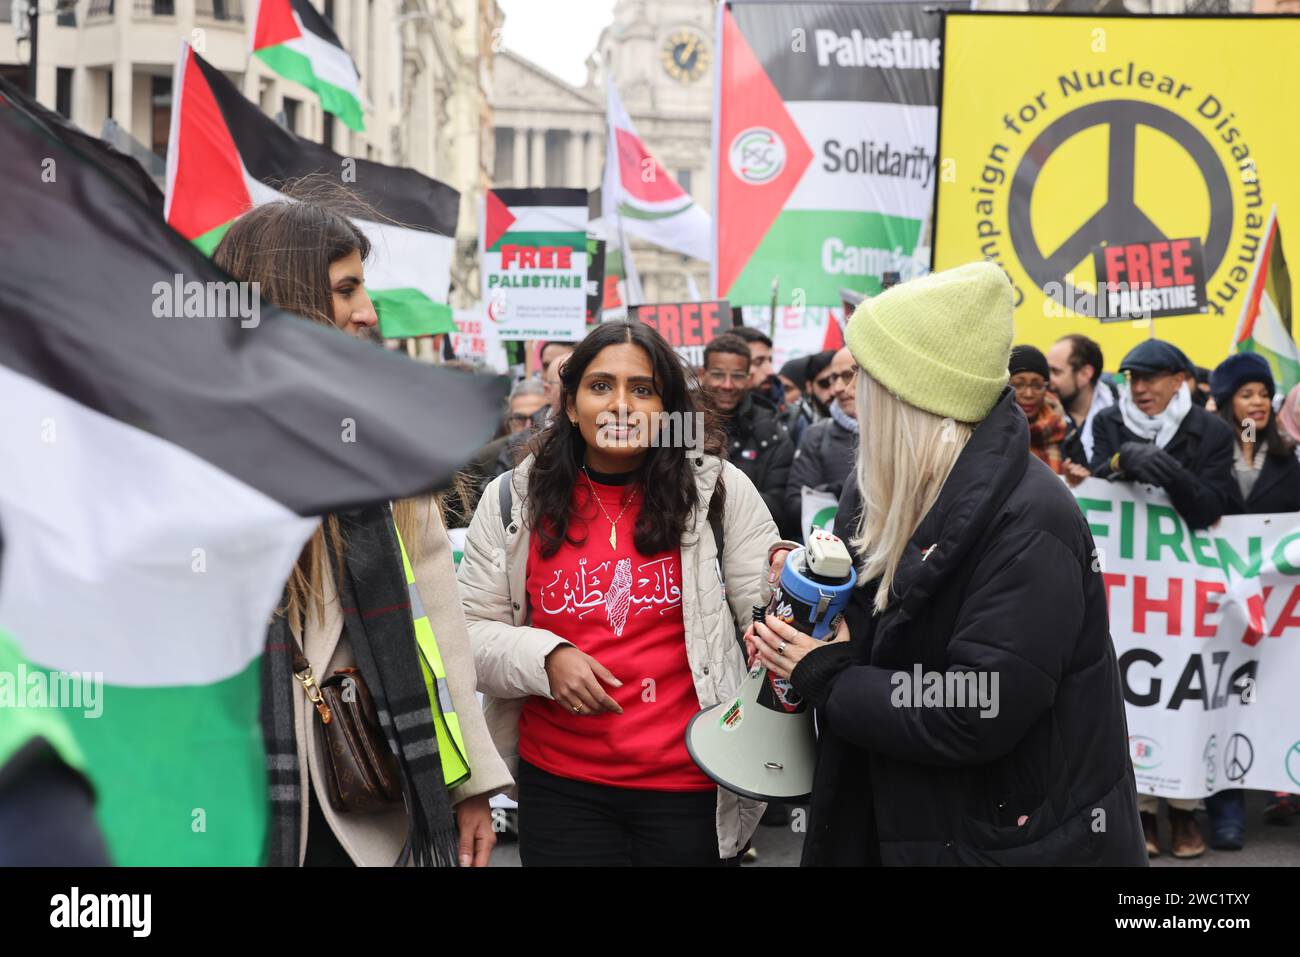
x=613, y=523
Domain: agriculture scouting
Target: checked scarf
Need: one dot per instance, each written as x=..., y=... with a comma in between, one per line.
x=379, y=627
x=1046, y=433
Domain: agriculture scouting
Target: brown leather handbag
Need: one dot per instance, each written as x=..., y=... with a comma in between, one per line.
x=361, y=773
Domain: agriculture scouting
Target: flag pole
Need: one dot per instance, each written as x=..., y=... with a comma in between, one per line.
x=771, y=325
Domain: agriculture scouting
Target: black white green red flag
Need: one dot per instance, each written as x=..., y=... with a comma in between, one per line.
x=824, y=148
x=1265, y=326
x=640, y=196
x=226, y=155
x=297, y=42
x=166, y=440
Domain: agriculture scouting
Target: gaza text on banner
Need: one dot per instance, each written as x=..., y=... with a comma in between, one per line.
x=1206, y=626
x=1138, y=153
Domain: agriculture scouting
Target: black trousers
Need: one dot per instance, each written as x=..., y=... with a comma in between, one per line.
x=567, y=823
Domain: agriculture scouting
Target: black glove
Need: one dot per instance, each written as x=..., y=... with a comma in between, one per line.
x=1148, y=463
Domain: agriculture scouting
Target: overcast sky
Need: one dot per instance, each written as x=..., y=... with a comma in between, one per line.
x=556, y=34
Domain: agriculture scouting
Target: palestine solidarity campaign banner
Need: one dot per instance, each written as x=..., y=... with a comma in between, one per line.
x=533, y=258
x=1206, y=626
x=1148, y=159
x=824, y=148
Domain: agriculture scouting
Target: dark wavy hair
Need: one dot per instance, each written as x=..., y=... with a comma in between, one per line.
x=667, y=477
x=1280, y=445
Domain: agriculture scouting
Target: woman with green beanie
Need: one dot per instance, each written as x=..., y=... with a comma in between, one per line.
x=976, y=717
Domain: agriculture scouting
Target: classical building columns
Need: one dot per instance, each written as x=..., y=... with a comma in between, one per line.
x=519, y=177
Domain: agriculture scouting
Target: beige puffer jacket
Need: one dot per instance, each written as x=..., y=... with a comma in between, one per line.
x=510, y=656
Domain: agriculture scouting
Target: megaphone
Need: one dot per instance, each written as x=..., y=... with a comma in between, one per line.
x=760, y=743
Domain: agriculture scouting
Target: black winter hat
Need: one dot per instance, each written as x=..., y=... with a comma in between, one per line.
x=1028, y=359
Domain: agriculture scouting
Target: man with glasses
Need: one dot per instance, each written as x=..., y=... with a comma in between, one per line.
x=526, y=399
x=1157, y=435
x=758, y=443
x=826, y=451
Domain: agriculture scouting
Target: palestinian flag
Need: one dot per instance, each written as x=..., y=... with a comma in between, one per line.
x=298, y=43
x=1265, y=325
x=128, y=172
x=166, y=441
x=640, y=196
x=824, y=148
x=226, y=155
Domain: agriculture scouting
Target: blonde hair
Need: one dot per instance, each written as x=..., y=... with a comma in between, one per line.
x=904, y=457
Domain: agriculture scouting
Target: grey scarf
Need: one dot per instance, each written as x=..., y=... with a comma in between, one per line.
x=381, y=631
x=843, y=419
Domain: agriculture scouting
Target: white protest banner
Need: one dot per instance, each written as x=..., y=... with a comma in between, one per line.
x=533, y=261
x=475, y=340
x=818, y=511
x=1206, y=626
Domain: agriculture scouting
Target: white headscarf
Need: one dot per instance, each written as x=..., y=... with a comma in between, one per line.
x=1160, y=427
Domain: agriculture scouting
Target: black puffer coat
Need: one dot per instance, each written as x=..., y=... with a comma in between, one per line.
x=998, y=579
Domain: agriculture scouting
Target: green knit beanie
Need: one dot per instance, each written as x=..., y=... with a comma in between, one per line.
x=939, y=342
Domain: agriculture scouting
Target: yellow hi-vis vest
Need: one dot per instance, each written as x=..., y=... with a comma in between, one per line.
x=451, y=747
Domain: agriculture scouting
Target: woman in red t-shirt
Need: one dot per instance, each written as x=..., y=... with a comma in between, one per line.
x=626, y=630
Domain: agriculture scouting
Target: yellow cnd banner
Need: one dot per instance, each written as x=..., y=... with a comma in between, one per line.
x=1124, y=172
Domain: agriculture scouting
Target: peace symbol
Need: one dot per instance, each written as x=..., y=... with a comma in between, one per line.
x=1238, y=756
x=1120, y=220
x=1293, y=757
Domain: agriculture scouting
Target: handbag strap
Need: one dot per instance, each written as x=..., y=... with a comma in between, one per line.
x=302, y=671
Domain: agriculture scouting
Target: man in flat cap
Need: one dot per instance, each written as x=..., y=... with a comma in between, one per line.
x=1157, y=435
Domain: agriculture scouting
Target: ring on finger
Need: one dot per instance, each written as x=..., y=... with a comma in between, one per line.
x=780, y=649
x=577, y=709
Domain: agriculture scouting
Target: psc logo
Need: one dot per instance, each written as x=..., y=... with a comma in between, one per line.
x=756, y=155
x=1146, y=753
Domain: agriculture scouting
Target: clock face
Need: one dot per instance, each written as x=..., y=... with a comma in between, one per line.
x=685, y=56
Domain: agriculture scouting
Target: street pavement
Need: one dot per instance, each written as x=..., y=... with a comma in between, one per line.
x=1267, y=845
